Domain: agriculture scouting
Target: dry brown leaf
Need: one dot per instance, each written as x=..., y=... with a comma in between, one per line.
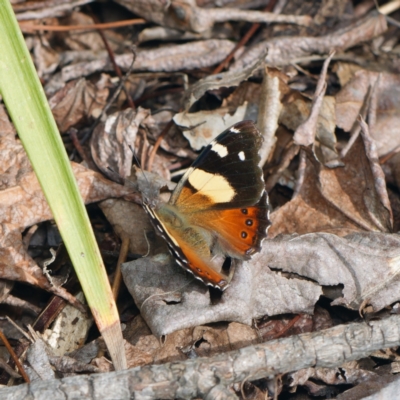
x=68, y=365
x=338, y=200
x=201, y=341
x=46, y=58
x=83, y=40
x=22, y=204
x=382, y=387
x=38, y=359
x=366, y=264
x=113, y=140
x=69, y=330
x=385, y=129
x=130, y=220
x=295, y=113
x=77, y=102
x=202, y=127
x=332, y=376
x=224, y=79
x=170, y=300
x=307, y=130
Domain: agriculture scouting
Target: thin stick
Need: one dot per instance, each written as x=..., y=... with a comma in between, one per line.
x=157, y=144
x=29, y=27
x=249, y=34
x=14, y=357
x=121, y=259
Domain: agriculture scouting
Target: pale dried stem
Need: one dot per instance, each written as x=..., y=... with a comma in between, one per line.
x=268, y=114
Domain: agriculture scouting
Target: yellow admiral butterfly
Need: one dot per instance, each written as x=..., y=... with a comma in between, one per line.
x=219, y=207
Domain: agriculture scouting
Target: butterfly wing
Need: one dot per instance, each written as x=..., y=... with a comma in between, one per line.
x=190, y=245
x=226, y=174
x=239, y=231
x=219, y=206
x=224, y=191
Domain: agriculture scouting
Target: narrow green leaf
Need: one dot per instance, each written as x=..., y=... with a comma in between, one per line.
x=28, y=107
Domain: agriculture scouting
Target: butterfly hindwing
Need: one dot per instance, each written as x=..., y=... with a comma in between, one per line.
x=240, y=231
x=189, y=245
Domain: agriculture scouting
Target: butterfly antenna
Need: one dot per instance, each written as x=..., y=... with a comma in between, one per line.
x=140, y=166
x=138, y=163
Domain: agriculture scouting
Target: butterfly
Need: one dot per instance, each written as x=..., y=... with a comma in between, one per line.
x=219, y=207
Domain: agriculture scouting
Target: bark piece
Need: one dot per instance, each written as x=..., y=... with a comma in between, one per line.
x=284, y=50
x=203, y=53
x=22, y=204
x=196, y=377
x=185, y=15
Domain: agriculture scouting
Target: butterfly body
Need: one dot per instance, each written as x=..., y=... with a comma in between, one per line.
x=219, y=207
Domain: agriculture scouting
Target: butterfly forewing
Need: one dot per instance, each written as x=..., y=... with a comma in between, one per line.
x=226, y=174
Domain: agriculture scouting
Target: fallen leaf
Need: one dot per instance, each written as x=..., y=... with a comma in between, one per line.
x=69, y=330
x=385, y=130
x=77, y=102
x=202, y=127
x=338, y=200
x=169, y=300
x=366, y=264
x=22, y=204
x=113, y=140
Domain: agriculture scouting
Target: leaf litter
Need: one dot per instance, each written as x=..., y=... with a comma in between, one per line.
x=330, y=167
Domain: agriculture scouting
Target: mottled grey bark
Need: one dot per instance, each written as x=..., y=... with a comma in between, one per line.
x=197, y=377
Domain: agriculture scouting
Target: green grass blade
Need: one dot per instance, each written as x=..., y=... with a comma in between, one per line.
x=27, y=105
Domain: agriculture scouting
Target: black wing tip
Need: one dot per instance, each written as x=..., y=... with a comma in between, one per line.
x=246, y=125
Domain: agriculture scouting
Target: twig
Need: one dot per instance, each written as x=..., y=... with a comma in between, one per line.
x=249, y=34
x=14, y=357
x=157, y=144
x=112, y=99
x=121, y=259
x=268, y=114
x=290, y=325
x=29, y=27
x=384, y=159
x=116, y=67
x=197, y=377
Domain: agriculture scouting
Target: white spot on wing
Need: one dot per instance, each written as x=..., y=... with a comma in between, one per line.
x=234, y=130
x=214, y=186
x=221, y=150
x=242, y=156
